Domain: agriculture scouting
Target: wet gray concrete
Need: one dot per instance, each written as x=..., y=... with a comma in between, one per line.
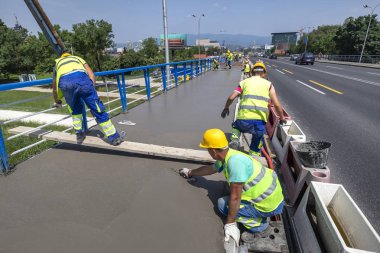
x=77, y=199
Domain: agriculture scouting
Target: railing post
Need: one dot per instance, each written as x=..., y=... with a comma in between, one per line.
x=163, y=72
x=147, y=83
x=176, y=74
x=192, y=69
x=197, y=68
x=124, y=87
x=184, y=72
x=84, y=116
x=3, y=154
x=121, y=92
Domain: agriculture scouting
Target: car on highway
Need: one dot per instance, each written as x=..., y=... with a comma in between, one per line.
x=293, y=57
x=305, y=58
x=273, y=56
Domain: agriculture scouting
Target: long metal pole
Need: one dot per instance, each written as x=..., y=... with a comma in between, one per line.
x=366, y=35
x=199, y=35
x=166, y=41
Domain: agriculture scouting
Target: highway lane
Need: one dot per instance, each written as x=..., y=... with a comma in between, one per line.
x=342, y=108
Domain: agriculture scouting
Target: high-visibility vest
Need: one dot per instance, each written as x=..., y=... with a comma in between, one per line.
x=262, y=189
x=254, y=99
x=247, y=68
x=65, y=65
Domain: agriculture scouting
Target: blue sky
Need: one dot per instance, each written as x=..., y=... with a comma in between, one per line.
x=139, y=19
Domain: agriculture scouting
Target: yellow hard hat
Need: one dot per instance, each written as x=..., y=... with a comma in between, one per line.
x=214, y=138
x=259, y=65
x=228, y=51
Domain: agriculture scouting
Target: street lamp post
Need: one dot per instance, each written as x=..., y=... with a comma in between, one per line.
x=369, y=24
x=199, y=34
x=165, y=21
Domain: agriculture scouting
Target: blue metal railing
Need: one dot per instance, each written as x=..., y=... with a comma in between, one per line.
x=179, y=71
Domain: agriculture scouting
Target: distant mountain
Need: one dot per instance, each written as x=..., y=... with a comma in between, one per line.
x=242, y=40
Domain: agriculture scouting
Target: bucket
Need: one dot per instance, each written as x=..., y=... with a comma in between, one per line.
x=313, y=154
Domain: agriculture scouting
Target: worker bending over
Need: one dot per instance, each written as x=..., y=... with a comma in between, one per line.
x=255, y=191
x=74, y=80
x=253, y=111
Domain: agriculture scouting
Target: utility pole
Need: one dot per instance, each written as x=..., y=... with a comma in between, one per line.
x=369, y=24
x=199, y=34
x=166, y=42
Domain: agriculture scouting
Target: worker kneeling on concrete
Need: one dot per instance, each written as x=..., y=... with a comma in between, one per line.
x=74, y=80
x=253, y=111
x=255, y=190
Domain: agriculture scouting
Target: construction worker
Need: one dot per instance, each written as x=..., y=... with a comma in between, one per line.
x=246, y=69
x=253, y=111
x=255, y=191
x=215, y=64
x=74, y=80
x=231, y=59
x=227, y=56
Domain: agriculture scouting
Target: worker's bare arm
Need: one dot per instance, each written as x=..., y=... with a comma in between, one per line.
x=203, y=171
x=276, y=102
x=234, y=203
x=55, y=93
x=231, y=99
x=90, y=73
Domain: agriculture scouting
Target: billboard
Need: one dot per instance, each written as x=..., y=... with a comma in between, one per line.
x=175, y=41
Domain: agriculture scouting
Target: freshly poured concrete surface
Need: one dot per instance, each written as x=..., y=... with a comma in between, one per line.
x=77, y=199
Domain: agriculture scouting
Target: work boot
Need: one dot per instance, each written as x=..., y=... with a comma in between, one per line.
x=80, y=137
x=117, y=141
x=234, y=144
x=249, y=237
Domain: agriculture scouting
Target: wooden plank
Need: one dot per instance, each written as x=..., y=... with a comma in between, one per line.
x=127, y=146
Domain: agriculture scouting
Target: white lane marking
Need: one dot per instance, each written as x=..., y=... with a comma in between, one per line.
x=373, y=73
x=331, y=67
x=268, y=66
x=338, y=75
x=280, y=71
x=311, y=87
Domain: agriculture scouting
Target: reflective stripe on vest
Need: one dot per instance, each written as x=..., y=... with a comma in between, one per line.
x=254, y=107
x=262, y=188
x=66, y=65
x=255, y=97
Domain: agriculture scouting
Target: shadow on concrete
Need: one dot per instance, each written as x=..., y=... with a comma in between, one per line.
x=215, y=190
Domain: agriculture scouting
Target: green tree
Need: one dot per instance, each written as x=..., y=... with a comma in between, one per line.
x=350, y=36
x=11, y=58
x=322, y=41
x=149, y=48
x=90, y=39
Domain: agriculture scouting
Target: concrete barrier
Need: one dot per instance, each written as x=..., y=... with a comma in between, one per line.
x=274, y=120
x=328, y=220
x=297, y=177
x=283, y=135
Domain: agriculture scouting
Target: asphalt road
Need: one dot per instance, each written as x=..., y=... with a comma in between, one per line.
x=339, y=104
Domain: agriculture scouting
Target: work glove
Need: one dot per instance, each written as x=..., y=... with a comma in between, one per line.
x=231, y=230
x=57, y=104
x=283, y=121
x=184, y=172
x=225, y=112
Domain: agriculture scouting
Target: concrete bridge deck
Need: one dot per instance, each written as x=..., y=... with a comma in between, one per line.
x=77, y=199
